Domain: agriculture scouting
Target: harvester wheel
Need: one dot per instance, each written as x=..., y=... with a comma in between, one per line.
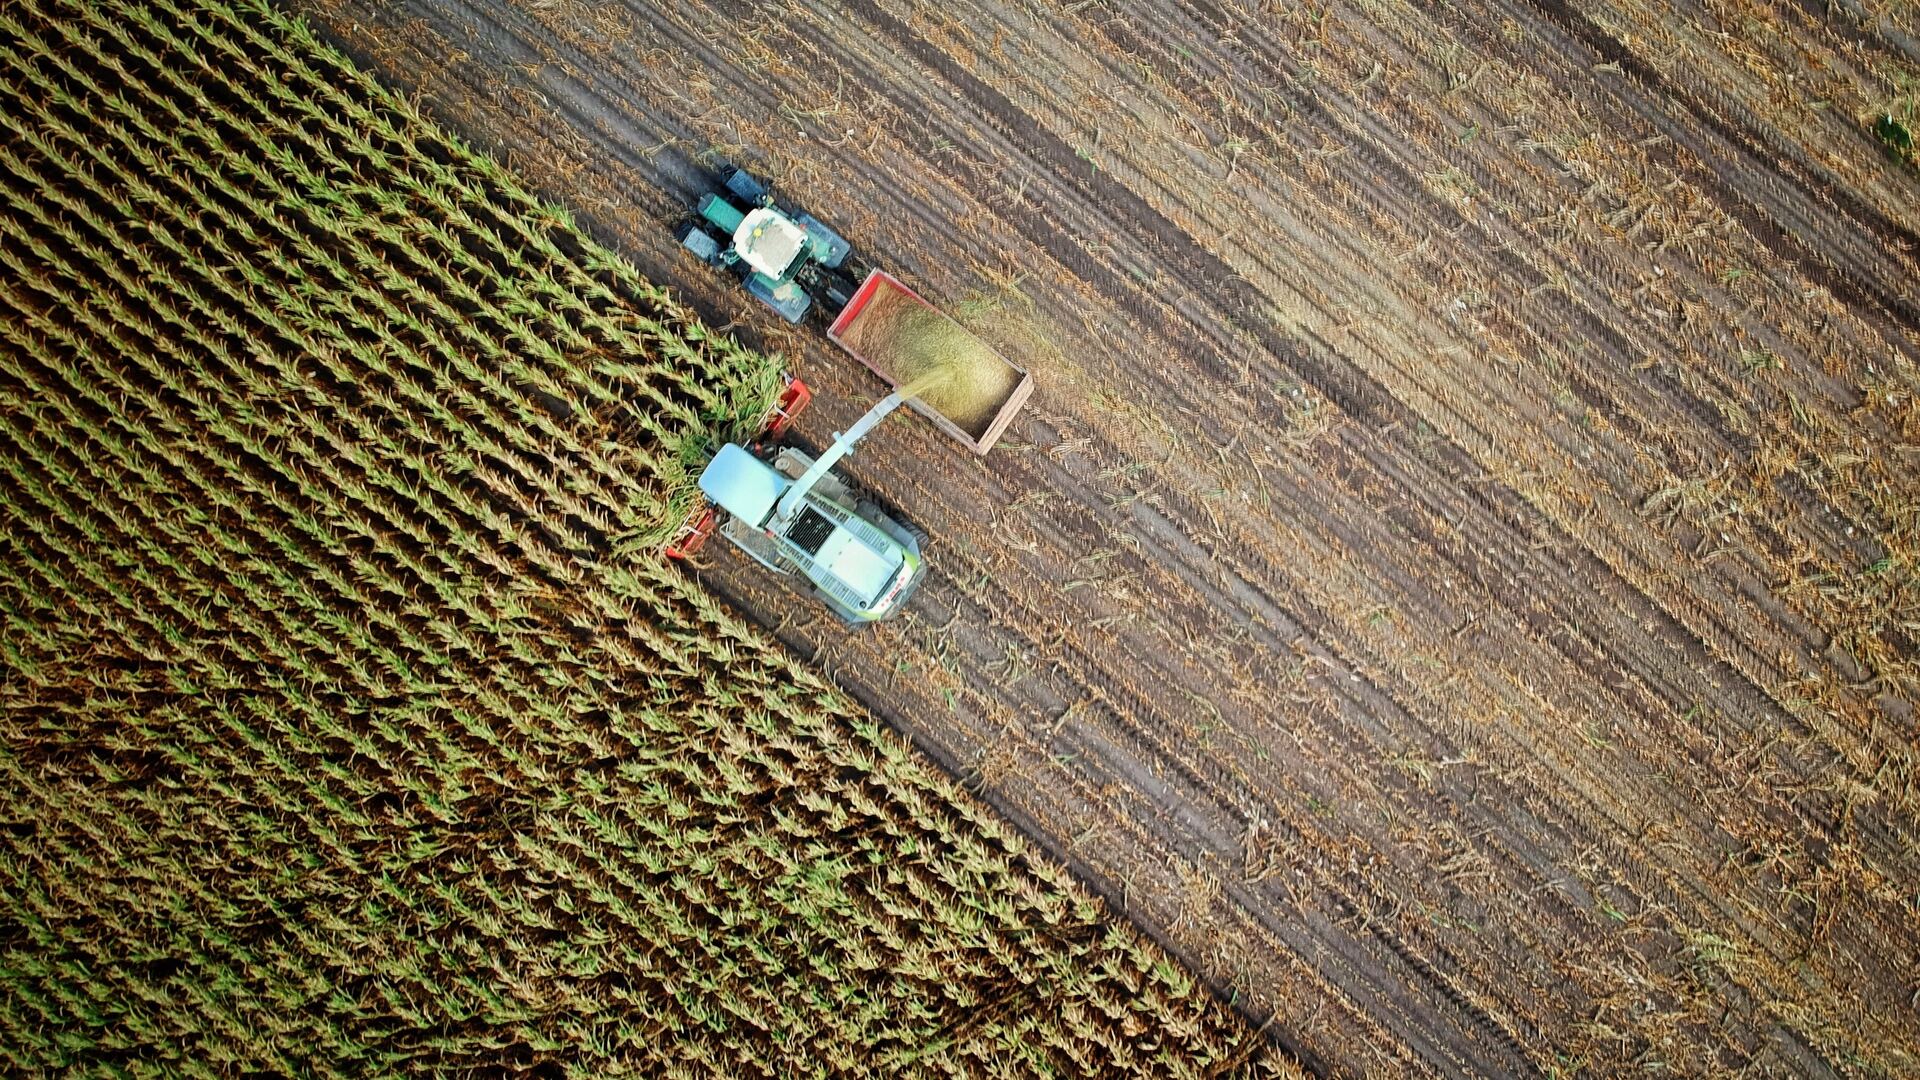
x=832, y=607
x=870, y=509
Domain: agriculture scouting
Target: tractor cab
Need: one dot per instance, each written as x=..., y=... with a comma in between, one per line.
x=784, y=256
x=769, y=241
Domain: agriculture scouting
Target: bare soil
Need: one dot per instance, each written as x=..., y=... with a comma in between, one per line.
x=1457, y=579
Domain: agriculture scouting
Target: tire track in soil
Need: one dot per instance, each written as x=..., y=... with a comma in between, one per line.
x=1773, y=222
x=1014, y=606
x=1796, y=493
x=1548, y=637
x=1708, y=420
x=1124, y=702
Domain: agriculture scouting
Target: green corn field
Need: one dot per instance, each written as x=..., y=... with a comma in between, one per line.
x=348, y=723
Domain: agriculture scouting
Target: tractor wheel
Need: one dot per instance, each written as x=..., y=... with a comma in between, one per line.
x=742, y=185
x=697, y=240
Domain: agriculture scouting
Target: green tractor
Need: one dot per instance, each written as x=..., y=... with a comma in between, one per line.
x=783, y=256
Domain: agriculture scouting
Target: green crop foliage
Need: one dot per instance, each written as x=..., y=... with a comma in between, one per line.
x=1895, y=136
x=349, y=724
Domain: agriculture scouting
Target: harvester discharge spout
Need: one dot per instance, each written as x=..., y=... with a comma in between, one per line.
x=843, y=444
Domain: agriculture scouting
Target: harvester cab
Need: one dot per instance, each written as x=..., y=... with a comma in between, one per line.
x=791, y=513
x=784, y=257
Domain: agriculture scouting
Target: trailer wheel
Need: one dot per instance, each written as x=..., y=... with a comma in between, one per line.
x=833, y=607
